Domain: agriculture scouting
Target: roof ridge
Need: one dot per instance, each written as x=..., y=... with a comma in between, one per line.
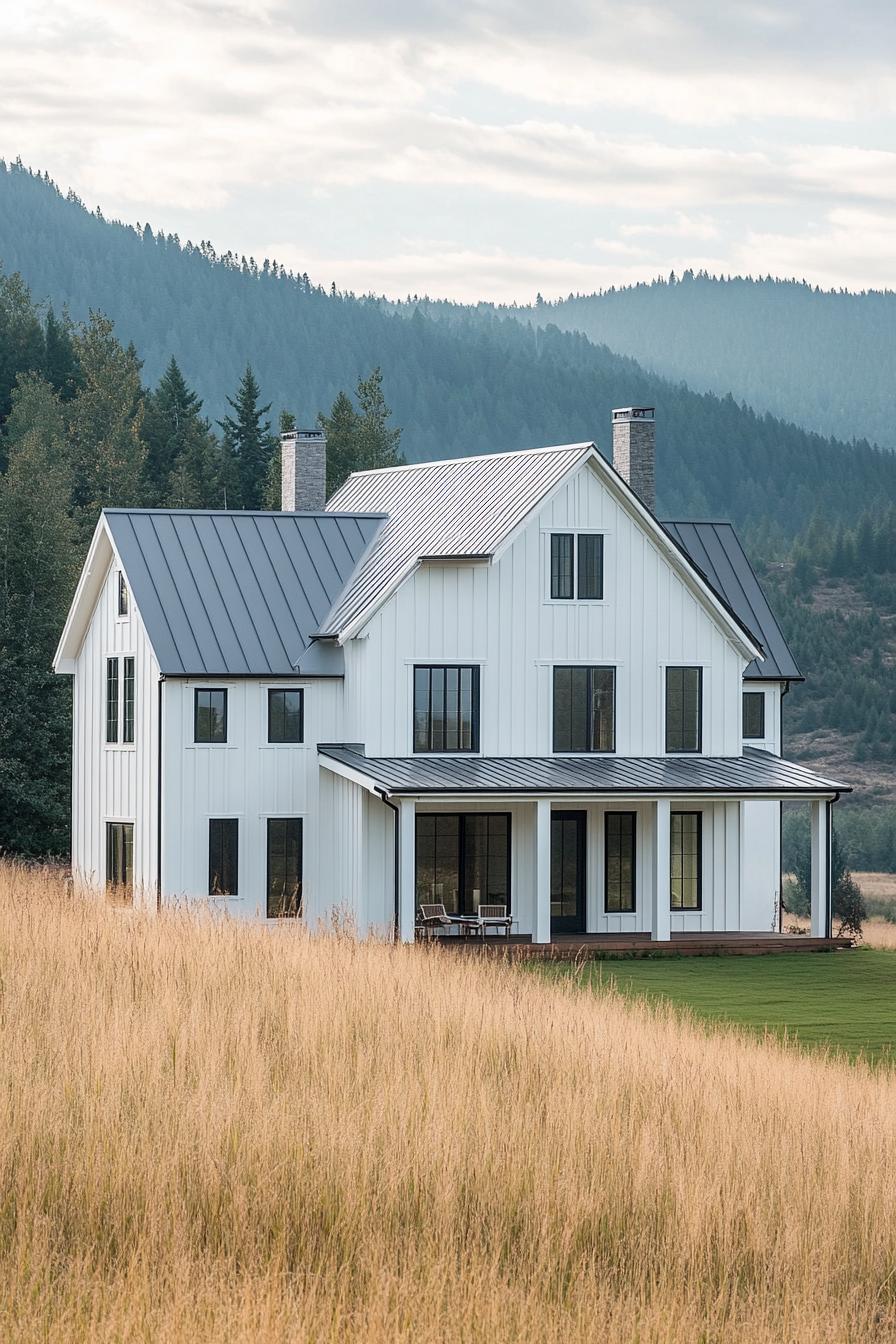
x=255, y=513
x=475, y=457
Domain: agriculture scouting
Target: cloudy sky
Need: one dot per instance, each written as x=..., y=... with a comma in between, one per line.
x=474, y=150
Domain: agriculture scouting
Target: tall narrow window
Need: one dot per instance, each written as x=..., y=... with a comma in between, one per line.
x=123, y=596
x=619, y=862
x=120, y=858
x=284, y=867
x=561, y=565
x=223, y=856
x=590, y=566
x=684, y=709
x=111, y=699
x=686, y=867
x=127, y=699
x=584, y=709
x=286, y=715
x=446, y=708
x=754, y=714
x=210, y=716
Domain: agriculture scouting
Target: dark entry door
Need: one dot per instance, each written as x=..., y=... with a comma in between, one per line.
x=567, y=872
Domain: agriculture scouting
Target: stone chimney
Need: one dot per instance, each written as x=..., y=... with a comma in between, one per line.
x=303, y=471
x=634, y=451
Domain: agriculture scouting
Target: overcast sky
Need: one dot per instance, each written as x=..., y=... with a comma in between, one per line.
x=484, y=150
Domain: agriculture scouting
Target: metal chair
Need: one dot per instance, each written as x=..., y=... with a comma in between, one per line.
x=494, y=916
x=433, y=915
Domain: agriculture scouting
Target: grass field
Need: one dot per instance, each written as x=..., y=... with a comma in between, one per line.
x=209, y=1133
x=842, y=1000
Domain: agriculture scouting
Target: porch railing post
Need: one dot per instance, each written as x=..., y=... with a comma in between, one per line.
x=661, y=923
x=407, y=843
x=820, y=895
x=541, y=927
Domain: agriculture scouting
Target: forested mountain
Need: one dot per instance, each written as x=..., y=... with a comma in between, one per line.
x=821, y=359
x=458, y=382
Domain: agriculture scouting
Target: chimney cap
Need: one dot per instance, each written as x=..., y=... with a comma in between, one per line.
x=303, y=435
x=634, y=413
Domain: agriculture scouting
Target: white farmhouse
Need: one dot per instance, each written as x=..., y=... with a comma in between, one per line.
x=487, y=680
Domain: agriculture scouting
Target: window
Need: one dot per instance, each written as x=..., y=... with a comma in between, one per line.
x=686, y=875
x=684, y=708
x=123, y=596
x=223, y=856
x=127, y=700
x=286, y=716
x=584, y=709
x=463, y=859
x=284, y=867
x=210, y=716
x=754, y=714
x=111, y=699
x=619, y=862
x=579, y=554
x=446, y=708
x=120, y=858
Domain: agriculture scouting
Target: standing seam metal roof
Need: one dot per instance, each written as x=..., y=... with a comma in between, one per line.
x=236, y=593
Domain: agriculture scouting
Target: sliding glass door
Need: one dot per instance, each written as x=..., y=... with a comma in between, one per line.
x=463, y=859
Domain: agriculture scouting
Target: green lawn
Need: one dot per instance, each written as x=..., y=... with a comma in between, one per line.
x=845, y=1000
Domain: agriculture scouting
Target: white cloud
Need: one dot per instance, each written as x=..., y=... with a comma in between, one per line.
x=678, y=225
x=853, y=249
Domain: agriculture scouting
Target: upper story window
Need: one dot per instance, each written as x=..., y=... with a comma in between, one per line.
x=446, y=708
x=577, y=566
x=286, y=715
x=111, y=699
x=210, y=716
x=120, y=700
x=684, y=709
x=584, y=709
x=754, y=714
x=123, y=596
x=127, y=700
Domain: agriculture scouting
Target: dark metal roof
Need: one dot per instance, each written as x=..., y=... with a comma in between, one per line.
x=756, y=772
x=715, y=550
x=236, y=593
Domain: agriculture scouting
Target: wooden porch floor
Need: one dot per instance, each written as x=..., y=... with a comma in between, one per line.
x=595, y=946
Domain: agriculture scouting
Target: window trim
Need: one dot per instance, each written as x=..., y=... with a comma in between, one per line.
x=299, y=912
x=128, y=729
x=621, y=812
x=752, y=737
x=555, y=539
x=575, y=533
x=589, y=668
x=223, y=895
x=688, y=909
x=285, y=741
x=210, y=742
x=476, y=690
x=682, y=667
x=113, y=702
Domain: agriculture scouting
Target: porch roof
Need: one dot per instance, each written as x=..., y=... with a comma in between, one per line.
x=755, y=772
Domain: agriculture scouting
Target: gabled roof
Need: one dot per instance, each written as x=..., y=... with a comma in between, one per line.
x=716, y=551
x=470, y=507
x=225, y=593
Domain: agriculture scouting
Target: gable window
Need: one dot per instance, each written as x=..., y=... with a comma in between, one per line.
x=286, y=715
x=684, y=709
x=686, y=866
x=584, y=709
x=111, y=699
x=577, y=566
x=223, y=856
x=754, y=714
x=210, y=716
x=619, y=862
x=127, y=700
x=284, y=867
x=123, y=596
x=120, y=858
x=446, y=708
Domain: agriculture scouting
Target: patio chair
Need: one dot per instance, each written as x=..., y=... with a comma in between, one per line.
x=433, y=915
x=494, y=917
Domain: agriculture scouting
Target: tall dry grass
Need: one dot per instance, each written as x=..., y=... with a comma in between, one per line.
x=211, y=1133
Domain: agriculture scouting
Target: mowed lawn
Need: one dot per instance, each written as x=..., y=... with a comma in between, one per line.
x=842, y=1000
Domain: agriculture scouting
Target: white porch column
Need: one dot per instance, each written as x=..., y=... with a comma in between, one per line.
x=407, y=843
x=541, y=927
x=661, y=924
x=820, y=895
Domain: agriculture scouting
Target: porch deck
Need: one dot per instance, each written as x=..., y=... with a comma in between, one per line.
x=597, y=946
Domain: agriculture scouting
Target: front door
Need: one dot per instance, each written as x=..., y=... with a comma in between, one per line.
x=567, y=872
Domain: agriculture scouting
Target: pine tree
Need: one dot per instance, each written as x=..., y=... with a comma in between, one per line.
x=21, y=338
x=181, y=461
x=378, y=441
x=273, y=495
x=60, y=363
x=342, y=427
x=248, y=443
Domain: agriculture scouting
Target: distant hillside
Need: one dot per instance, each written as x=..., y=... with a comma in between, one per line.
x=458, y=382
x=822, y=360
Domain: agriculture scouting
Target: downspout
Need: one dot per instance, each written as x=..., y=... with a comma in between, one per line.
x=159, y=803
x=781, y=818
x=396, y=843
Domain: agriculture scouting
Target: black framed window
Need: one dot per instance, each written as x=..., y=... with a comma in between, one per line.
x=562, y=544
x=286, y=715
x=127, y=699
x=584, y=709
x=123, y=596
x=210, y=716
x=284, y=867
x=463, y=859
x=619, y=862
x=684, y=709
x=577, y=566
x=111, y=699
x=120, y=856
x=446, y=708
x=754, y=714
x=223, y=856
x=686, y=860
